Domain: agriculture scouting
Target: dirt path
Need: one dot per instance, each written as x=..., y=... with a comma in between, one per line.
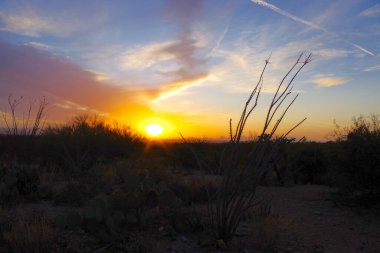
x=316, y=225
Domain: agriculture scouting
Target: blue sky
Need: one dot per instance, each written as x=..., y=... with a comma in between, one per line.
x=191, y=64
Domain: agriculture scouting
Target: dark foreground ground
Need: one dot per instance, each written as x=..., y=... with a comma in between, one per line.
x=292, y=219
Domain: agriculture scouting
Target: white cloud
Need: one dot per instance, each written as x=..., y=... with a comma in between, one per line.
x=330, y=53
x=38, y=45
x=371, y=12
x=36, y=23
x=145, y=56
x=30, y=23
x=373, y=68
x=329, y=81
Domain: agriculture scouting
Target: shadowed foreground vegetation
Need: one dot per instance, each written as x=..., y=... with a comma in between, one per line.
x=104, y=187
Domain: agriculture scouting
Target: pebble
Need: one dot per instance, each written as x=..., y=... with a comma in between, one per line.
x=221, y=245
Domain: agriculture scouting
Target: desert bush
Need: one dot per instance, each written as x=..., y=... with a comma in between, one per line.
x=308, y=166
x=360, y=164
x=88, y=140
x=74, y=193
x=18, y=180
x=123, y=209
x=74, y=147
x=36, y=236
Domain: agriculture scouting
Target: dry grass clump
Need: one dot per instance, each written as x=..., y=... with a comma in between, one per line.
x=35, y=236
x=269, y=231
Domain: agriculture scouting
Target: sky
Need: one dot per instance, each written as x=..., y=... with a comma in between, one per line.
x=190, y=65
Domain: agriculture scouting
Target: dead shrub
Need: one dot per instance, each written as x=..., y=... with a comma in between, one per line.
x=35, y=236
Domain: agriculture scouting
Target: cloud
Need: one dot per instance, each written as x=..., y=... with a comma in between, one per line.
x=373, y=68
x=308, y=23
x=39, y=45
x=25, y=70
x=371, y=12
x=329, y=81
x=184, y=13
x=145, y=56
x=30, y=23
x=331, y=53
x=187, y=67
x=177, y=87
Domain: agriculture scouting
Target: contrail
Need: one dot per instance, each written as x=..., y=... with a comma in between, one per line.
x=221, y=38
x=308, y=23
x=360, y=48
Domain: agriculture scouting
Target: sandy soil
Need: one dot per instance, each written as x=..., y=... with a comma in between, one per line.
x=317, y=225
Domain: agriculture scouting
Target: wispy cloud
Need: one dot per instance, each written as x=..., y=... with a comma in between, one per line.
x=329, y=81
x=190, y=68
x=373, y=68
x=39, y=45
x=145, y=56
x=331, y=53
x=371, y=12
x=30, y=23
x=308, y=23
x=36, y=23
x=175, y=88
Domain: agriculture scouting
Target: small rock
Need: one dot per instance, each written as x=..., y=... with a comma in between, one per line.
x=183, y=238
x=205, y=241
x=221, y=245
x=167, y=231
x=101, y=250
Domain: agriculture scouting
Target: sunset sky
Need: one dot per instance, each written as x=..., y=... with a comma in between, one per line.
x=189, y=65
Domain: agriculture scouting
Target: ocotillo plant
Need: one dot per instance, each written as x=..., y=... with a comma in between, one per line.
x=27, y=124
x=241, y=176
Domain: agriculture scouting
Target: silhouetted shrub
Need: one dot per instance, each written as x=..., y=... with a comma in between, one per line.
x=361, y=161
x=18, y=180
x=88, y=140
x=308, y=166
x=75, y=146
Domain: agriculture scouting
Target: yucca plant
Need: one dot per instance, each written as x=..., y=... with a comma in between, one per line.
x=241, y=176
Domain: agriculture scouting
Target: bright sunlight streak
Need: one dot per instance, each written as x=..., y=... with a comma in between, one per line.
x=154, y=129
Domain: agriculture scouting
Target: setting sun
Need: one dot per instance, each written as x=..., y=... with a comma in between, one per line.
x=154, y=129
